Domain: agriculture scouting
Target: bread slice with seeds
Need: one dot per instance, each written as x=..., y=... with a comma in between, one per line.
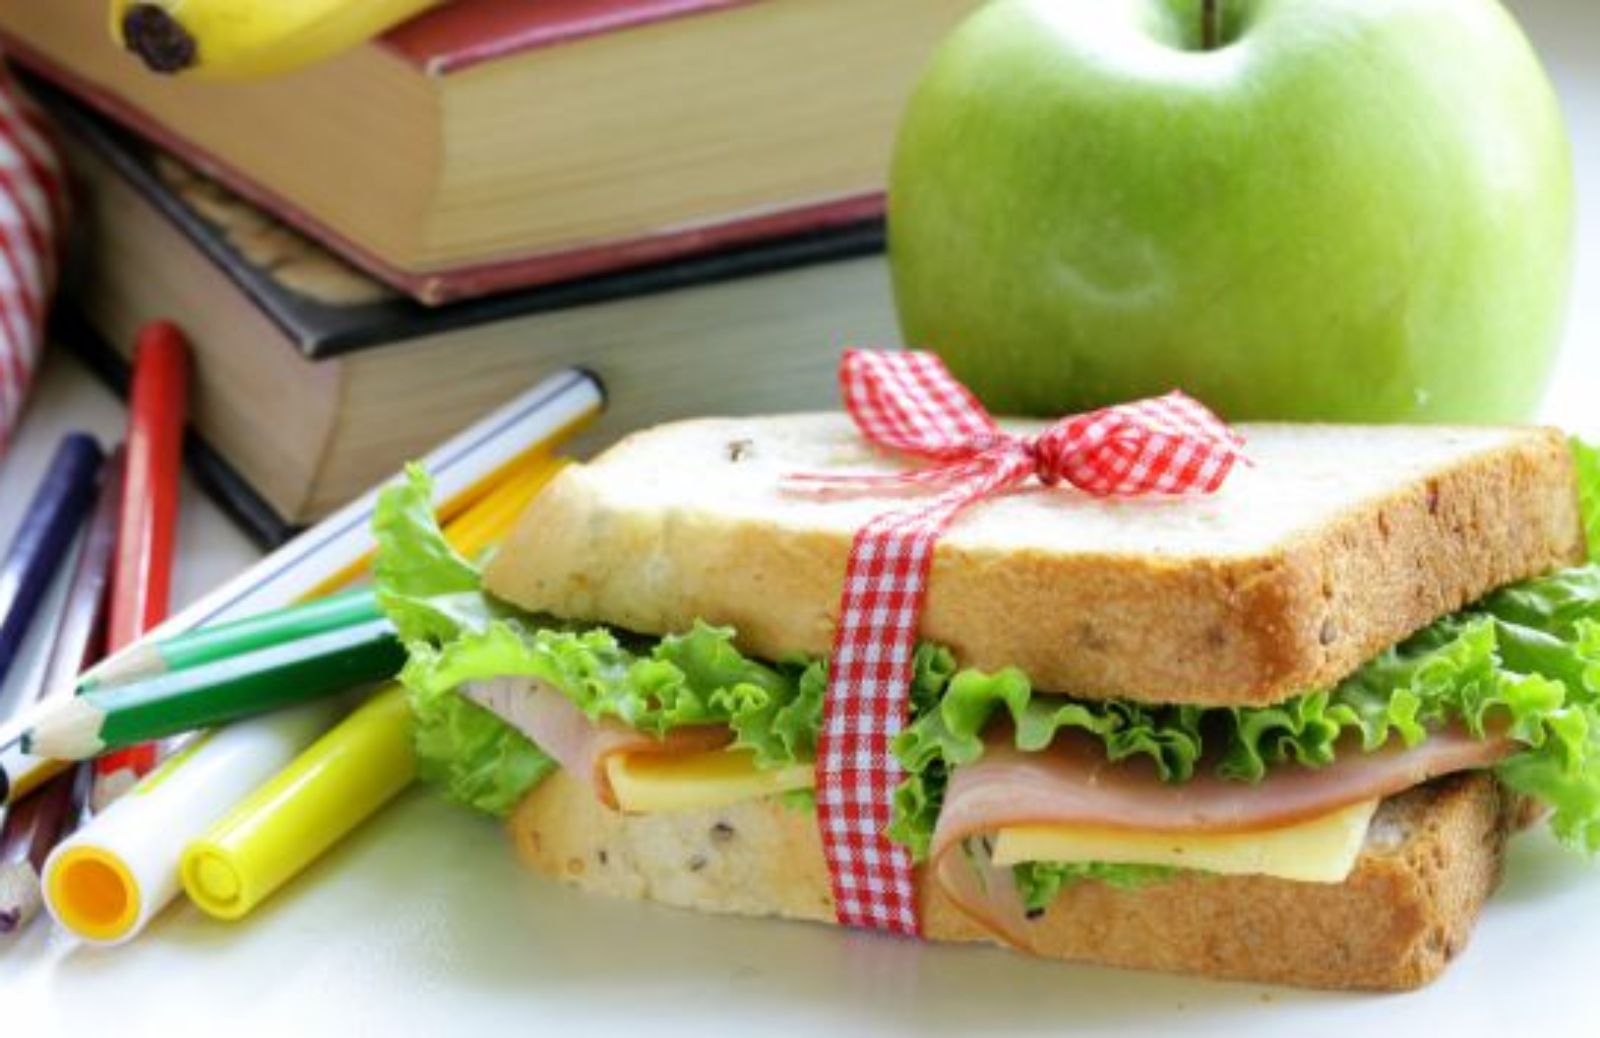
x=1433, y=855
x=1337, y=542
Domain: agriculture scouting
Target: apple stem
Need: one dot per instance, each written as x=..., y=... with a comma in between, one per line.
x=1210, y=24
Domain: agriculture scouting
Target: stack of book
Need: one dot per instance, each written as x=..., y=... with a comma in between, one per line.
x=685, y=197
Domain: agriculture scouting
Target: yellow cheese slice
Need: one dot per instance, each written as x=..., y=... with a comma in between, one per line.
x=1322, y=850
x=646, y=782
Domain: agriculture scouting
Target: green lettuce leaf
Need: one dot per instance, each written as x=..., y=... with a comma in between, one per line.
x=696, y=678
x=690, y=679
x=1040, y=882
x=432, y=595
x=1526, y=661
x=471, y=755
x=429, y=591
x=1587, y=460
x=455, y=632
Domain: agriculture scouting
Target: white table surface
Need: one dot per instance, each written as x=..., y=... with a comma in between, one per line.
x=422, y=921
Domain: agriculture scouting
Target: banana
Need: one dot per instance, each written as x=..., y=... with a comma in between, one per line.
x=247, y=39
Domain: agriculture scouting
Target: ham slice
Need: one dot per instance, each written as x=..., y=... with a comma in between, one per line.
x=1072, y=783
x=579, y=745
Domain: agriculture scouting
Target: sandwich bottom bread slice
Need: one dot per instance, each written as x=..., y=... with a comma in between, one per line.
x=1277, y=734
x=1431, y=857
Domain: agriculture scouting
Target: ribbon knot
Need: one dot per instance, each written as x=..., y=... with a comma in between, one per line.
x=909, y=402
x=1049, y=458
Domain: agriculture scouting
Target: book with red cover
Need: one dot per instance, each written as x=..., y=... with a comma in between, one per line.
x=309, y=378
x=459, y=35
x=785, y=127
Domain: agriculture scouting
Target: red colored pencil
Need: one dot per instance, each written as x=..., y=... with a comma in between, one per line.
x=141, y=579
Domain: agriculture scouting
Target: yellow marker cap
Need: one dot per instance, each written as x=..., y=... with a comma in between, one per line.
x=94, y=894
x=275, y=832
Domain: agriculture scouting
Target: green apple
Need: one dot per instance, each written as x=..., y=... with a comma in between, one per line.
x=1323, y=209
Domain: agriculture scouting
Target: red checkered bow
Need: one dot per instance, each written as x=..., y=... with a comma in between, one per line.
x=909, y=401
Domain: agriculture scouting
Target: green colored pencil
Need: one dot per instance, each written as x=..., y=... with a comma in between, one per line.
x=90, y=724
x=209, y=644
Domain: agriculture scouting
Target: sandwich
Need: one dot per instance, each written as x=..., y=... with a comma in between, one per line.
x=1280, y=733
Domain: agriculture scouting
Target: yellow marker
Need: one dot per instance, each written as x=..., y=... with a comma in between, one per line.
x=524, y=474
x=285, y=825
x=488, y=521
x=348, y=774
x=107, y=880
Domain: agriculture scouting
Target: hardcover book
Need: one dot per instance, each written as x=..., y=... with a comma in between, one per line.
x=313, y=381
x=496, y=144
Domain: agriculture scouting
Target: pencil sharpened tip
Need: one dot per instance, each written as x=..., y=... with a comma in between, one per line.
x=133, y=664
x=20, y=897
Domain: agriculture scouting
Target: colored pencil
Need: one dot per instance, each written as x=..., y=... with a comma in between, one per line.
x=284, y=825
x=208, y=644
x=142, y=576
x=477, y=528
x=334, y=552
x=33, y=827
x=183, y=701
x=44, y=537
x=80, y=634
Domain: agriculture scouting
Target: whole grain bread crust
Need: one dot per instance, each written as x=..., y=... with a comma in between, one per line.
x=1237, y=629
x=1433, y=855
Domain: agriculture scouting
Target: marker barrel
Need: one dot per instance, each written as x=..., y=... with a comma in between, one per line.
x=110, y=878
x=269, y=837
x=327, y=557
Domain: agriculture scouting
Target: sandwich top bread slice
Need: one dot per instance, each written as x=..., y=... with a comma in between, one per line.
x=1145, y=733
x=1333, y=545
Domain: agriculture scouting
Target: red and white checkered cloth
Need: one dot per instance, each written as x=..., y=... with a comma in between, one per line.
x=33, y=219
x=909, y=401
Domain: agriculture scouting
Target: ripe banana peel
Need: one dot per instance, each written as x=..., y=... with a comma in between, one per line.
x=245, y=39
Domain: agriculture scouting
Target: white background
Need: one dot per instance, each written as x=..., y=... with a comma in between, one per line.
x=422, y=922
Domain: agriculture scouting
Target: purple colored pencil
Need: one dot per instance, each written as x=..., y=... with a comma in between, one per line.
x=81, y=631
x=44, y=537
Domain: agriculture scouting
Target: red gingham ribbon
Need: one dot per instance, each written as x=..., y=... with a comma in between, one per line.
x=33, y=216
x=909, y=401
